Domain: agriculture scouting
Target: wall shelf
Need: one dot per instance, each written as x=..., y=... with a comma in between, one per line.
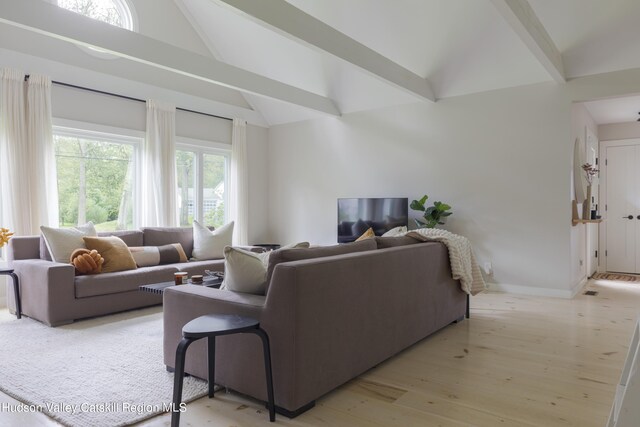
x=586, y=221
x=575, y=218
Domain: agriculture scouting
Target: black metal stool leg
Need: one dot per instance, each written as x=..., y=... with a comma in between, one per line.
x=468, y=306
x=16, y=294
x=181, y=352
x=267, y=367
x=211, y=360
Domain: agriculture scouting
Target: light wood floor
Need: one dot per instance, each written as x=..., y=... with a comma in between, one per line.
x=519, y=361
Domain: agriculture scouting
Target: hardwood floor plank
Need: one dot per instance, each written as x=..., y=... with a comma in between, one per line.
x=519, y=361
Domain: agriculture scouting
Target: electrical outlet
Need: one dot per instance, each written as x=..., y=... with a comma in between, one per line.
x=488, y=268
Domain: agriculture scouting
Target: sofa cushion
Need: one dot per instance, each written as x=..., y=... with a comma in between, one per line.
x=146, y=256
x=286, y=255
x=121, y=281
x=61, y=242
x=115, y=252
x=159, y=236
x=130, y=237
x=391, y=242
x=209, y=244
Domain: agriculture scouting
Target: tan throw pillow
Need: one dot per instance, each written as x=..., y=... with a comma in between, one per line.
x=146, y=256
x=246, y=271
x=369, y=234
x=115, y=252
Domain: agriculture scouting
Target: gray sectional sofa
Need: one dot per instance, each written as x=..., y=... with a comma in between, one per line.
x=52, y=294
x=331, y=314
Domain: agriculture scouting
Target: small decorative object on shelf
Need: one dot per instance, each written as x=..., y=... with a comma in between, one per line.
x=5, y=236
x=433, y=215
x=590, y=172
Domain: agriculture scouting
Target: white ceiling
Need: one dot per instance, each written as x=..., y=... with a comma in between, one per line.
x=616, y=110
x=459, y=46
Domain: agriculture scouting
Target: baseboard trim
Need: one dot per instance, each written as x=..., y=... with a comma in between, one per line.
x=538, y=292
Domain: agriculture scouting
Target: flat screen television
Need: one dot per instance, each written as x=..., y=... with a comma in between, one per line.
x=355, y=216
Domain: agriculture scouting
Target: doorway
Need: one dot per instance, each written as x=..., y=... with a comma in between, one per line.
x=620, y=201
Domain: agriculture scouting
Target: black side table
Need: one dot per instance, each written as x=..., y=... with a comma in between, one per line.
x=16, y=289
x=211, y=326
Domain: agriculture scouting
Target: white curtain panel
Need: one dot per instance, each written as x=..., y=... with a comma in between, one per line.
x=14, y=154
x=27, y=157
x=44, y=188
x=239, y=183
x=159, y=167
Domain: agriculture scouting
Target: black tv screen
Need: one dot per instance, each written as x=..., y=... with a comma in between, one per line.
x=355, y=216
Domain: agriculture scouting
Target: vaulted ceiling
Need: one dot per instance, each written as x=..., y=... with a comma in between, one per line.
x=276, y=61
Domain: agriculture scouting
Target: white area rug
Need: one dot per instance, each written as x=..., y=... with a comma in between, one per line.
x=106, y=371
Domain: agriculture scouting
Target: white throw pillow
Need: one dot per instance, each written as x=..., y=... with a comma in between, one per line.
x=209, y=244
x=395, y=232
x=246, y=271
x=61, y=242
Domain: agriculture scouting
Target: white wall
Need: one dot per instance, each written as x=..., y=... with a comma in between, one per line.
x=580, y=120
x=615, y=131
x=257, y=147
x=500, y=158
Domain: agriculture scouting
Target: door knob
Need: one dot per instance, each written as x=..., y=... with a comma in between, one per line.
x=630, y=217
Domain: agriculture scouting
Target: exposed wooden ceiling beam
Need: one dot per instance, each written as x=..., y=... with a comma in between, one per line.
x=521, y=17
x=297, y=25
x=53, y=21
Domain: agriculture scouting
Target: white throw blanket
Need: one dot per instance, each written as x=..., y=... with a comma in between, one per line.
x=464, y=266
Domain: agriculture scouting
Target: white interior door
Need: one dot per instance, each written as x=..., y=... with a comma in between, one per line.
x=622, y=163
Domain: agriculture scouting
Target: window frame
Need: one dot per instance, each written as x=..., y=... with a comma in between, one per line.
x=129, y=23
x=201, y=147
x=115, y=135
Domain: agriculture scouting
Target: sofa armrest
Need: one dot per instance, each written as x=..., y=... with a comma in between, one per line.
x=46, y=289
x=186, y=302
x=23, y=247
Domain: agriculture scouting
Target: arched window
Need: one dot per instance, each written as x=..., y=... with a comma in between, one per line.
x=114, y=12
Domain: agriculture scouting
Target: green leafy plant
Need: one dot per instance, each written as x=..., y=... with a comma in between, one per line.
x=432, y=215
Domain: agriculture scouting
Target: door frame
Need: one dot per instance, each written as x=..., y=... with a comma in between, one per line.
x=602, y=196
x=592, y=230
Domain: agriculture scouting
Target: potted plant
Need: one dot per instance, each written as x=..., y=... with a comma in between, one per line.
x=432, y=215
x=5, y=235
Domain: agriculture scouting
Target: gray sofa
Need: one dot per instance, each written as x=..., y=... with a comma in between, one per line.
x=51, y=293
x=331, y=315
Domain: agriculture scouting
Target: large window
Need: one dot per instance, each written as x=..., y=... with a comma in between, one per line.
x=96, y=179
x=201, y=177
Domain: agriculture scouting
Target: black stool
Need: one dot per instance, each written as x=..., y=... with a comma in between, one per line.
x=210, y=326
